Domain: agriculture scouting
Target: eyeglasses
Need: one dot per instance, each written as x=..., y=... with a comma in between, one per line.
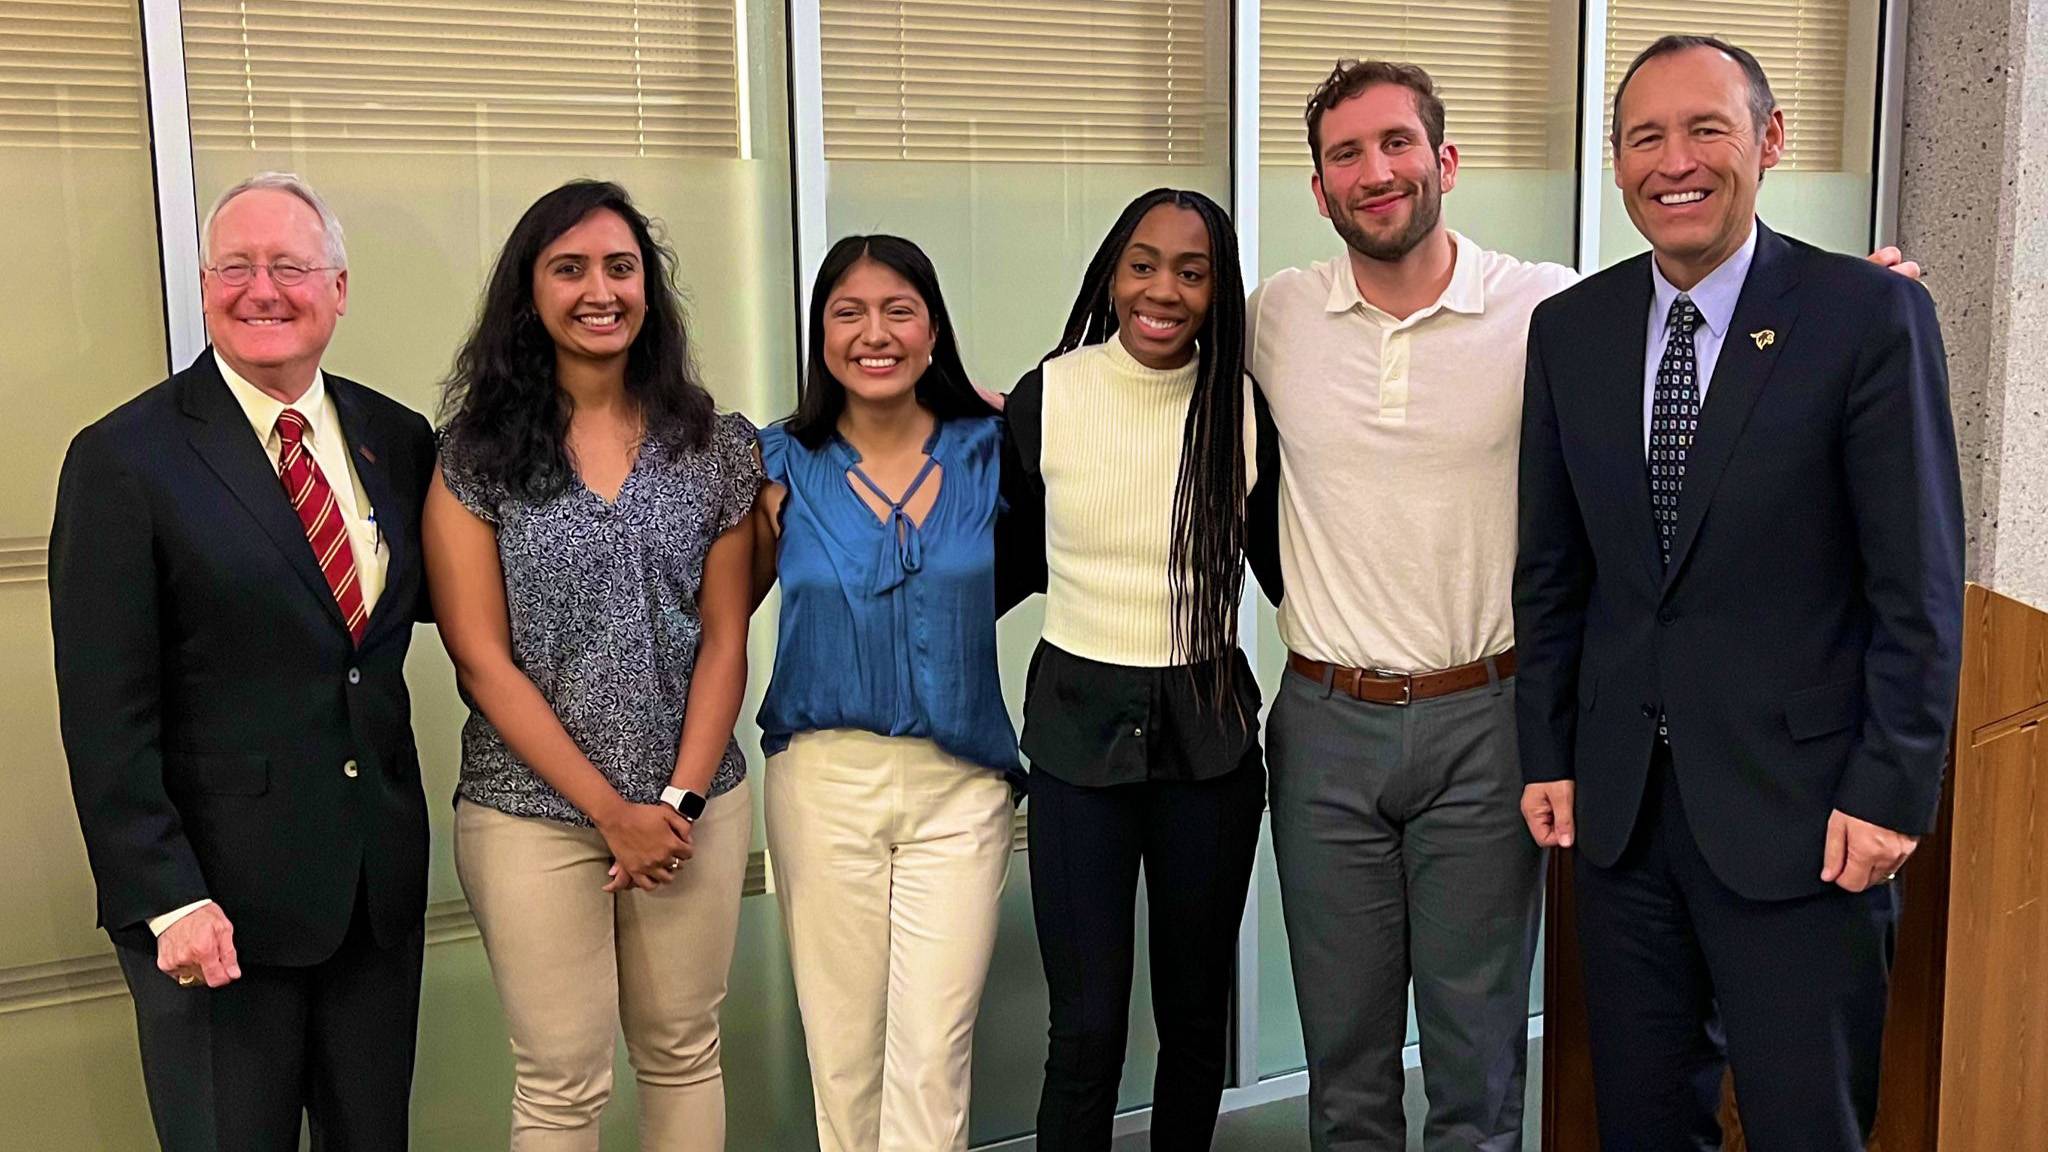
x=283, y=273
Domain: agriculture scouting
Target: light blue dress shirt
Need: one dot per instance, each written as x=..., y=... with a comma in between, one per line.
x=1715, y=296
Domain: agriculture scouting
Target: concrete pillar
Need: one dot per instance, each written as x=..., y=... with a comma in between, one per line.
x=1974, y=210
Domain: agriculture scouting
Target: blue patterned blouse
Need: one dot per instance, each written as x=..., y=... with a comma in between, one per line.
x=603, y=605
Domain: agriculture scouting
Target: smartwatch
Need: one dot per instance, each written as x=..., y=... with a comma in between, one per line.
x=690, y=804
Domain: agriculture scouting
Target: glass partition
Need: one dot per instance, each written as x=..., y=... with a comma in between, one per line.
x=83, y=330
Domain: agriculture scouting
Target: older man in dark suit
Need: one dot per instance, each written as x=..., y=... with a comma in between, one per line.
x=234, y=575
x=1738, y=603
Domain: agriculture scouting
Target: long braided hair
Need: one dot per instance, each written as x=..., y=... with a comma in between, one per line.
x=1206, y=569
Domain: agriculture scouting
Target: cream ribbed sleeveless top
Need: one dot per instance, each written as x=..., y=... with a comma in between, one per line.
x=1111, y=432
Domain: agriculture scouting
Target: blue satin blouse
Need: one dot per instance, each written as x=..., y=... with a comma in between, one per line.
x=888, y=626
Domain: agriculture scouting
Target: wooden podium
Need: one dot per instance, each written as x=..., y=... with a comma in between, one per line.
x=1966, y=1039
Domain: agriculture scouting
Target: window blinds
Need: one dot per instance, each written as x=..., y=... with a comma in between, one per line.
x=653, y=78
x=1059, y=81
x=71, y=74
x=1491, y=60
x=1803, y=46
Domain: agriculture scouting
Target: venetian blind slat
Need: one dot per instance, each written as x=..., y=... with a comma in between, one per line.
x=1803, y=46
x=71, y=75
x=653, y=78
x=1491, y=60
x=1109, y=81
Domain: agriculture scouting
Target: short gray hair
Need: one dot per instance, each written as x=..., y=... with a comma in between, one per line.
x=1761, y=101
x=337, y=252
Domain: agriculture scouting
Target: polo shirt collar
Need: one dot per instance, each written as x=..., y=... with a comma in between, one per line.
x=1465, y=293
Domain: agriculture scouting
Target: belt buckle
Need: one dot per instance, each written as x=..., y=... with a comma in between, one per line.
x=1407, y=684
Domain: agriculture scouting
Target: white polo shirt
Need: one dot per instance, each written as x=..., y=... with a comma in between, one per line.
x=1399, y=445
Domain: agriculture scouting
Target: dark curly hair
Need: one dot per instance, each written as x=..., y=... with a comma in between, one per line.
x=944, y=390
x=499, y=404
x=1207, y=565
x=1352, y=77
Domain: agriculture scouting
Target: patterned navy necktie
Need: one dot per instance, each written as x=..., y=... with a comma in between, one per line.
x=1674, y=420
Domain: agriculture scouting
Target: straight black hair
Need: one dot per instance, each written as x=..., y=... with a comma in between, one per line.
x=1206, y=569
x=944, y=390
x=499, y=404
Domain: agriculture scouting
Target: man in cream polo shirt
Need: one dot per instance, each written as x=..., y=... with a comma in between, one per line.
x=234, y=576
x=1394, y=375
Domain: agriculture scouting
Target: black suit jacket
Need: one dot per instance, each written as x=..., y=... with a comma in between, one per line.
x=1805, y=640
x=209, y=693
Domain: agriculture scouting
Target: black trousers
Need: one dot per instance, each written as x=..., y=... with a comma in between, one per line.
x=1685, y=978
x=1196, y=841
x=232, y=1069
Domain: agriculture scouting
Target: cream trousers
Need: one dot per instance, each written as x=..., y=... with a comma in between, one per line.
x=572, y=963
x=889, y=857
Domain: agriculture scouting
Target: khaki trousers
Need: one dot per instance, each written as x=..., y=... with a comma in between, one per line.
x=572, y=963
x=890, y=857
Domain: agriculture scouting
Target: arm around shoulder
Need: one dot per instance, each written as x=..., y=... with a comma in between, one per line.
x=1553, y=579
x=1020, y=522
x=1904, y=486
x=1262, y=503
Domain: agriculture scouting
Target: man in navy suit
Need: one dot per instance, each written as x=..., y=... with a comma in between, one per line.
x=1738, y=602
x=234, y=575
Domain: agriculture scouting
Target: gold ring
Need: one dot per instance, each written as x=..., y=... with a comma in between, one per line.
x=187, y=979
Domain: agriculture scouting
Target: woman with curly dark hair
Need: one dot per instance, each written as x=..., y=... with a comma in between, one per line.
x=1141, y=714
x=588, y=541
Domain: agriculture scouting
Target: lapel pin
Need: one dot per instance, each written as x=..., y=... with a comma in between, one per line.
x=364, y=449
x=1764, y=338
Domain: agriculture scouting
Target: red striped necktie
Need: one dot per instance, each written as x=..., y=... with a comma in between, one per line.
x=326, y=529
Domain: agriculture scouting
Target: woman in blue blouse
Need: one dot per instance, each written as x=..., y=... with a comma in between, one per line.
x=892, y=759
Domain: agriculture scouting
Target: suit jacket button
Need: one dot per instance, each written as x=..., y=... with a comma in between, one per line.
x=355, y=675
x=1666, y=615
x=349, y=770
x=1649, y=711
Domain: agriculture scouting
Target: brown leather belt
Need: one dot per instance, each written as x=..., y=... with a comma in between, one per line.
x=1378, y=686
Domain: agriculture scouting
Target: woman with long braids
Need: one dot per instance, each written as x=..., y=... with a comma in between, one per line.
x=588, y=544
x=1141, y=713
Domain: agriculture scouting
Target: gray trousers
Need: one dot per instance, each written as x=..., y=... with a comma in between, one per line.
x=1403, y=856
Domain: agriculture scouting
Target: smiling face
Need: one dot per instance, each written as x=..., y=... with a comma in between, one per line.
x=878, y=334
x=590, y=288
x=1378, y=179
x=272, y=335
x=1689, y=156
x=1162, y=286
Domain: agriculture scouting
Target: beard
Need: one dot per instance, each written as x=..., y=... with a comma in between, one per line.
x=1426, y=209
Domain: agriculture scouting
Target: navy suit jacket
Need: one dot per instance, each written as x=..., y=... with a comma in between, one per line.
x=209, y=693
x=1805, y=640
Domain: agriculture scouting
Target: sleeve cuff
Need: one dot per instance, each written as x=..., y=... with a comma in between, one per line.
x=158, y=925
